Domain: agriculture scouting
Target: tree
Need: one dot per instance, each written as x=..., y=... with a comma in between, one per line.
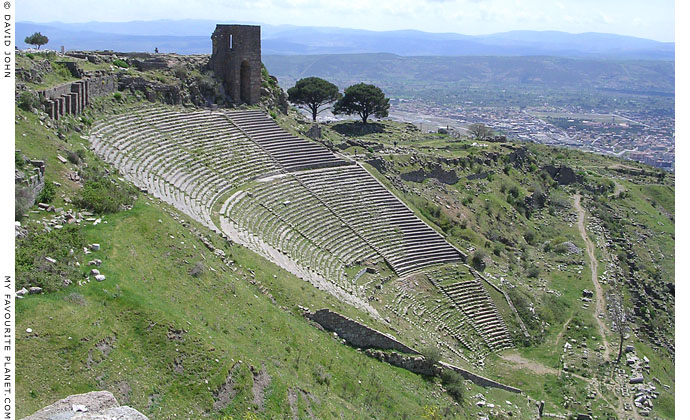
x=364, y=100
x=479, y=260
x=313, y=93
x=36, y=39
x=479, y=131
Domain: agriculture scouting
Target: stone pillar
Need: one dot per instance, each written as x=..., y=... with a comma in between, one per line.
x=78, y=88
x=52, y=110
x=86, y=92
x=82, y=83
x=68, y=104
x=61, y=106
x=74, y=103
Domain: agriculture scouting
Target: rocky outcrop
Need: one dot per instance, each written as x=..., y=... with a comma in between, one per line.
x=35, y=74
x=379, y=163
x=434, y=170
x=154, y=91
x=272, y=95
x=96, y=405
x=519, y=156
x=563, y=175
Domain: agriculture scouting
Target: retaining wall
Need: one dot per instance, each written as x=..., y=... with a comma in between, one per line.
x=357, y=334
x=360, y=335
x=72, y=98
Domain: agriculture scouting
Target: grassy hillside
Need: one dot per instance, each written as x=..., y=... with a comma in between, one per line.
x=175, y=330
x=520, y=224
x=181, y=328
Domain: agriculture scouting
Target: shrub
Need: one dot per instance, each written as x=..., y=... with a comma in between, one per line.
x=529, y=237
x=19, y=160
x=498, y=248
x=76, y=298
x=431, y=354
x=61, y=70
x=30, y=56
x=120, y=63
x=180, y=72
x=561, y=248
x=322, y=376
x=47, y=194
x=31, y=266
x=28, y=101
x=479, y=260
x=73, y=157
x=117, y=96
x=197, y=270
x=103, y=195
x=533, y=272
x=453, y=383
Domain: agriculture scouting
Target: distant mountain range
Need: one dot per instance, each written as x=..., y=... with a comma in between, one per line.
x=439, y=76
x=194, y=37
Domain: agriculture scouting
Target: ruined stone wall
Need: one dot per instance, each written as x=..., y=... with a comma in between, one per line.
x=433, y=170
x=32, y=179
x=415, y=364
x=102, y=85
x=236, y=60
x=357, y=334
x=480, y=380
x=73, y=97
x=360, y=335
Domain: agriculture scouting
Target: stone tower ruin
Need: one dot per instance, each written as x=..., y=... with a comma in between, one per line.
x=236, y=60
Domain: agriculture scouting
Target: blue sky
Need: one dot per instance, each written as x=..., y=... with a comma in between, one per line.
x=642, y=18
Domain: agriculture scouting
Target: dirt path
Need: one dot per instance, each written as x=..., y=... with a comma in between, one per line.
x=519, y=362
x=618, y=188
x=594, y=265
x=560, y=334
x=535, y=367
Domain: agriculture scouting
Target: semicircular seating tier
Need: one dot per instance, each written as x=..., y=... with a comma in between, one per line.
x=287, y=198
x=291, y=152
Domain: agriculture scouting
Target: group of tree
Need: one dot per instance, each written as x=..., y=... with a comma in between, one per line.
x=316, y=95
x=479, y=131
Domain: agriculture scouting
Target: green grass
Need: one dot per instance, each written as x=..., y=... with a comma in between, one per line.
x=226, y=318
x=249, y=311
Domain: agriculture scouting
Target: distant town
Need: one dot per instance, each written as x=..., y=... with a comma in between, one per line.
x=649, y=139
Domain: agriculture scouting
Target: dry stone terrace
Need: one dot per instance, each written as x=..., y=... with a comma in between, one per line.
x=292, y=201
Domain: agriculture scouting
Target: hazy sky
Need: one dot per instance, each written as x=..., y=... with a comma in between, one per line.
x=652, y=19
